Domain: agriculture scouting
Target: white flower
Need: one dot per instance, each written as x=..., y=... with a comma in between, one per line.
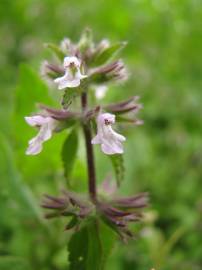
x=46, y=126
x=111, y=142
x=72, y=76
x=100, y=91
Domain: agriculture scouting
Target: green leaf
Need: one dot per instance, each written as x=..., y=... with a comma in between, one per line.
x=118, y=165
x=90, y=247
x=56, y=50
x=69, y=95
x=108, y=53
x=110, y=225
x=108, y=238
x=99, y=78
x=85, y=251
x=18, y=190
x=167, y=247
x=30, y=91
x=95, y=255
x=78, y=250
x=72, y=223
x=69, y=151
x=8, y=263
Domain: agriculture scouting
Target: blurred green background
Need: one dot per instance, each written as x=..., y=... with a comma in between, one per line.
x=163, y=157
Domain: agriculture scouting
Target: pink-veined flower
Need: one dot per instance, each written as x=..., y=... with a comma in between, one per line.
x=72, y=76
x=46, y=127
x=111, y=141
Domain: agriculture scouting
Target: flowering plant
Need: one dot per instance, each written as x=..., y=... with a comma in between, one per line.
x=84, y=71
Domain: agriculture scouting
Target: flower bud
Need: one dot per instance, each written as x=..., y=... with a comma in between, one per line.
x=115, y=71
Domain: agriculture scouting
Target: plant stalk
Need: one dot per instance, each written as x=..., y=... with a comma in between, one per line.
x=89, y=152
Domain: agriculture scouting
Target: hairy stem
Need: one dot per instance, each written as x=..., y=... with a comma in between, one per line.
x=89, y=152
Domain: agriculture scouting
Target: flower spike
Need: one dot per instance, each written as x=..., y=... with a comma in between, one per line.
x=98, y=63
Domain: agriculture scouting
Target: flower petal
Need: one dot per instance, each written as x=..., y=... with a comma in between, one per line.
x=36, y=120
x=35, y=147
x=79, y=75
x=112, y=148
x=71, y=60
x=72, y=76
x=64, y=82
x=118, y=136
x=47, y=126
x=45, y=133
x=111, y=141
x=96, y=140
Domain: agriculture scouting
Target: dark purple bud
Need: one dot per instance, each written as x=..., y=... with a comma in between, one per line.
x=111, y=211
x=133, y=217
x=52, y=206
x=125, y=106
x=51, y=71
x=92, y=113
x=138, y=201
x=52, y=215
x=67, y=205
x=51, y=202
x=59, y=114
x=113, y=71
x=56, y=199
x=118, y=213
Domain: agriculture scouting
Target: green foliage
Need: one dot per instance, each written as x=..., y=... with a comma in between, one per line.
x=118, y=166
x=72, y=223
x=56, y=50
x=8, y=262
x=18, y=190
x=85, y=249
x=105, y=55
x=90, y=247
x=69, y=96
x=108, y=238
x=69, y=152
x=30, y=85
